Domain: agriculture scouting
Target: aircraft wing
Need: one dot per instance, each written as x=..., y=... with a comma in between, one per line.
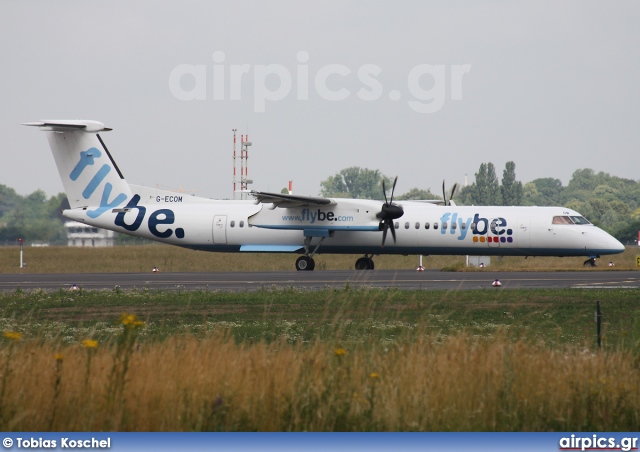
x=287, y=201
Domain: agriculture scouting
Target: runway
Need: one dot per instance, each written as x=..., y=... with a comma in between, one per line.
x=400, y=279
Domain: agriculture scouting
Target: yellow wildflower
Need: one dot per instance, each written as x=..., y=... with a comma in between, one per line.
x=90, y=343
x=59, y=356
x=12, y=335
x=130, y=320
x=340, y=351
x=374, y=375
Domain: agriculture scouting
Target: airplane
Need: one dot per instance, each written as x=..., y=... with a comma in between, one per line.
x=283, y=223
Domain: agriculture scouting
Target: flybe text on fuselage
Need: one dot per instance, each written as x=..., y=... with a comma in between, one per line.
x=482, y=229
x=311, y=216
x=156, y=218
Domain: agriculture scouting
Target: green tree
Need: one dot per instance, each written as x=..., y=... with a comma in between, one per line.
x=33, y=217
x=8, y=200
x=493, y=186
x=548, y=192
x=465, y=196
x=511, y=189
x=486, y=188
x=479, y=188
x=355, y=182
x=417, y=193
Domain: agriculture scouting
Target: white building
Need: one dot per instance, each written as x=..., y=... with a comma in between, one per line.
x=80, y=234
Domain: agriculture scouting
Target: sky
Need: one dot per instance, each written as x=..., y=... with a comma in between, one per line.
x=422, y=90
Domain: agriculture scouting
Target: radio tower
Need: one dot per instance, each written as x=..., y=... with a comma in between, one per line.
x=244, y=166
x=234, y=163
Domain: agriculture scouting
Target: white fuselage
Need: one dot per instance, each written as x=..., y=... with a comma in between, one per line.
x=350, y=226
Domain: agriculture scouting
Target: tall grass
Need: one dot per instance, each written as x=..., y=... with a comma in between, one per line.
x=173, y=259
x=332, y=360
x=457, y=383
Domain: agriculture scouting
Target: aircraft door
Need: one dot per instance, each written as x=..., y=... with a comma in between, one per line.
x=220, y=229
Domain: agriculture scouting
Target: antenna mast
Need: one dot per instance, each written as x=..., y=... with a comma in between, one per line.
x=244, y=166
x=234, y=163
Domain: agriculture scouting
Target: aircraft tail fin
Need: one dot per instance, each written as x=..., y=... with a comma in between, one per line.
x=89, y=174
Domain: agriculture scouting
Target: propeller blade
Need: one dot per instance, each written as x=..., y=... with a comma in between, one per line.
x=453, y=190
x=393, y=189
x=384, y=192
x=389, y=212
x=444, y=194
x=384, y=233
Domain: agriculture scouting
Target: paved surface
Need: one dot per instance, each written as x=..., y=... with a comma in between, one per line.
x=402, y=279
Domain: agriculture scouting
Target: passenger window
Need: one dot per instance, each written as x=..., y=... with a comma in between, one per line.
x=472, y=226
x=397, y=225
x=417, y=225
x=242, y=224
x=444, y=225
x=426, y=225
x=232, y=224
x=435, y=225
x=453, y=226
x=463, y=226
x=406, y=225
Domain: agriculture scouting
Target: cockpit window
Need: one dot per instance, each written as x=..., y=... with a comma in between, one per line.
x=562, y=220
x=579, y=220
x=573, y=219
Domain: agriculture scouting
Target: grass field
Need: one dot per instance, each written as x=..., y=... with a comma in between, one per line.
x=173, y=259
x=331, y=360
x=297, y=360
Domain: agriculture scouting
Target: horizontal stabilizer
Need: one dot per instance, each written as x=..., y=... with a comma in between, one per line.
x=67, y=124
x=89, y=174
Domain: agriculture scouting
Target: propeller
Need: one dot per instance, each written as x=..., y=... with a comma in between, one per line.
x=444, y=194
x=389, y=212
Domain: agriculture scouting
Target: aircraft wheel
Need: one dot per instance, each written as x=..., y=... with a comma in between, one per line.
x=305, y=263
x=364, y=263
x=590, y=263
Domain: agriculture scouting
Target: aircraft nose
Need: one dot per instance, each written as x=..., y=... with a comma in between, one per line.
x=619, y=247
x=611, y=244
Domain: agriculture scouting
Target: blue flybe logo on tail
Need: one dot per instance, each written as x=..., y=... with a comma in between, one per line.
x=87, y=158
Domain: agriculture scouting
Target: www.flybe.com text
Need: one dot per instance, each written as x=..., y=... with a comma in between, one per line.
x=313, y=216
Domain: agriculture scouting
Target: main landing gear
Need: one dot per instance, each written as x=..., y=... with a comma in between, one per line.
x=306, y=262
x=365, y=263
x=591, y=262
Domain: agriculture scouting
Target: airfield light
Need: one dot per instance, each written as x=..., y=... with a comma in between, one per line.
x=21, y=242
